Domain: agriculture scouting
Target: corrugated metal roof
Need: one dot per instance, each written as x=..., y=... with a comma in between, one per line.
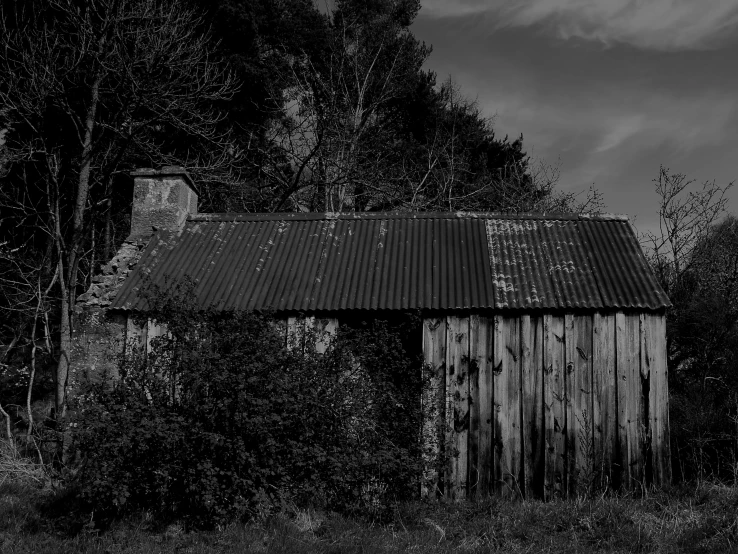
x=375, y=261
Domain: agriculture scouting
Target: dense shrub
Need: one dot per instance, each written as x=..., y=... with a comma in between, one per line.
x=222, y=420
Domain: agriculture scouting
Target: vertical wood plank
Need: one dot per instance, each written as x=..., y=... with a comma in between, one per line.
x=135, y=337
x=604, y=412
x=527, y=401
x=554, y=405
x=153, y=330
x=280, y=327
x=628, y=377
x=510, y=438
x=499, y=401
x=644, y=401
x=325, y=330
x=532, y=404
x=649, y=328
x=622, y=370
x=548, y=419
x=539, y=439
x=586, y=467
x=484, y=357
x=635, y=409
x=295, y=326
x=432, y=402
x=655, y=345
x=449, y=446
x=457, y=386
x=474, y=403
x=662, y=403
x=570, y=344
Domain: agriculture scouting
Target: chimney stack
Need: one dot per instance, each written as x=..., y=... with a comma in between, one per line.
x=162, y=199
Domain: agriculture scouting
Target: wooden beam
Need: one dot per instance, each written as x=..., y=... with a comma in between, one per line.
x=629, y=409
x=554, y=393
x=658, y=402
x=585, y=473
x=499, y=385
x=635, y=409
x=622, y=373
x=473, y=437
x=482, y=352
x=660, y=362
x=570, y=342
x=432, y=402
x=508, y=395
x=533, y=424
x=604, y=405
x=457, y=386
x=325, y=329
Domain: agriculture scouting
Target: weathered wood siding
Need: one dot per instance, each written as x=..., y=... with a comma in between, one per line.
x=548, y=405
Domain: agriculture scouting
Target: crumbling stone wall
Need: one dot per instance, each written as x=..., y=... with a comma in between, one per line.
x=99, y=334
x=162, y=199
x=99, y=340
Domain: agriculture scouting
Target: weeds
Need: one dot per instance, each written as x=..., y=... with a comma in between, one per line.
x=702, y=518
x=20, y=470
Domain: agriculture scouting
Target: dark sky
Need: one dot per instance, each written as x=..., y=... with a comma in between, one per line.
x=607, y=90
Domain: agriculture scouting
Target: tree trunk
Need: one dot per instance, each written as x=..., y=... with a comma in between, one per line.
x=108, y=236
x=69, y=291
x=65, y=347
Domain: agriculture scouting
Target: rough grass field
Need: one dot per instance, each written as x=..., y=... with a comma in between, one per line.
x=697, y=518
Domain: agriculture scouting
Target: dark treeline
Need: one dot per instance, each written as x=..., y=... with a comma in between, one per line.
x=272, y=106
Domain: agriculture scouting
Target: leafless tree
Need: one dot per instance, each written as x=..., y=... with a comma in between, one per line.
x=90, y=89
x=335, y=150
x=687, y=211
x=318, y=152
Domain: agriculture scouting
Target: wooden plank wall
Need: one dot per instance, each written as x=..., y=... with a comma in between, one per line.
x=546, y=406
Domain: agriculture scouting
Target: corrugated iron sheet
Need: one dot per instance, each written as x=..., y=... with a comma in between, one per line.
x=329, y=262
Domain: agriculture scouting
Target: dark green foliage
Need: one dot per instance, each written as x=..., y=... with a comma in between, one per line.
x=702, y=334
x=223, y=421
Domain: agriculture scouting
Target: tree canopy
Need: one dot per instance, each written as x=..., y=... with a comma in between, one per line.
x=272, y=106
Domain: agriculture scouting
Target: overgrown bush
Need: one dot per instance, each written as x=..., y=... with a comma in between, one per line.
x=222, y=420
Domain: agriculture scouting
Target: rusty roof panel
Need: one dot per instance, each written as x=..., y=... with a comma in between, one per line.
x=624, y=277
x=329, y=262
x=540, y=264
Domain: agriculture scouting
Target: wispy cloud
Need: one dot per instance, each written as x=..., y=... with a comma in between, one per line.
x=621, y=131
x=684, y=124
x=653, y=24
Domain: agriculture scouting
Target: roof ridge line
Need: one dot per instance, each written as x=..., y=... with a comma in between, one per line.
x=355, y=216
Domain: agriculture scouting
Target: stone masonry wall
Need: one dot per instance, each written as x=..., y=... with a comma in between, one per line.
x=162, y=199
x=100, y=335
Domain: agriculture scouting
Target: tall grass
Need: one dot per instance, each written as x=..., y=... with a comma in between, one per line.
x=691, y=520
x=18, y=468
x=703, y=517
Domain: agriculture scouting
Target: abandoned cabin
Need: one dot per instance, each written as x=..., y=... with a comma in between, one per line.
x=545, y=333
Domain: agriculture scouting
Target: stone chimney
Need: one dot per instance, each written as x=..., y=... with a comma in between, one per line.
x=162, y=199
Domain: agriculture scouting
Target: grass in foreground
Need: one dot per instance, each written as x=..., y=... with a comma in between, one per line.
x=691, y=520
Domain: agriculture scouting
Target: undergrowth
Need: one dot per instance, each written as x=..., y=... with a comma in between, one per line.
x=689, y=519
x=227, y=418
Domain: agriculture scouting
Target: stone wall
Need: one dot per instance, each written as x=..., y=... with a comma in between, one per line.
x=99, y=340
x=100, y=335
x=162, y=200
